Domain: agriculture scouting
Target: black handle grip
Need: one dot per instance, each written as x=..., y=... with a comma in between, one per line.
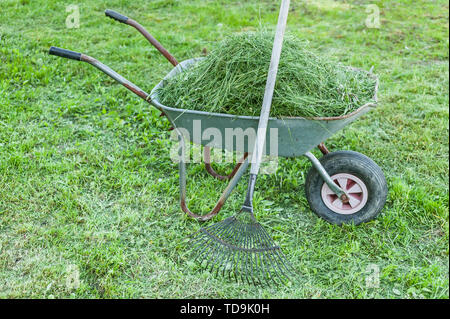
x=116, y=16
x=65, y=53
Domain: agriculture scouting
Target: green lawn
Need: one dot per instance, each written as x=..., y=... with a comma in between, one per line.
x=89, y=195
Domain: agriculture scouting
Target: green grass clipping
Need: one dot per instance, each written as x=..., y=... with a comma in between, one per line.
x=232, y=79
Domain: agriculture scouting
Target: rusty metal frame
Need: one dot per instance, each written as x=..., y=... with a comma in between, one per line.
x=323, y=149
x=241, y=167
x=212, y=172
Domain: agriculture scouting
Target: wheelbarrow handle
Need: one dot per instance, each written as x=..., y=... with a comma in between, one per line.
x=116, y=16
x=121, y=18
x=105, y=69
x=63, y=53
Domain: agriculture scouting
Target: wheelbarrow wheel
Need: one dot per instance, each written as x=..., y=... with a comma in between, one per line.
x=361, y=179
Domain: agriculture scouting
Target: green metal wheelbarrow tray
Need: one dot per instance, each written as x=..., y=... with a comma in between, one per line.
x=343, y=187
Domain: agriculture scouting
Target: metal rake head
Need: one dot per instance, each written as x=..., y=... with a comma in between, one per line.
x=242, y=249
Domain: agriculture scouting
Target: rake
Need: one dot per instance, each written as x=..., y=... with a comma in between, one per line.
x=239, y=245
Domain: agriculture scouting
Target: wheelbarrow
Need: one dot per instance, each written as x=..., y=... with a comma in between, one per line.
x=341, y=187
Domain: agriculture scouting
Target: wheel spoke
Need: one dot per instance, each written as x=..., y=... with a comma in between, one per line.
x=328, y=191
x=355, y=189
x=353, y=201
x=338, y=203
x=343, y=183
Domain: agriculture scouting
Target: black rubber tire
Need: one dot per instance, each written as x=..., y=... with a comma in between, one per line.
x=358, y=165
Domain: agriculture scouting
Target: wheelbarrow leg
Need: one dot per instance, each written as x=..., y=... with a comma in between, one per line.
x=226, y=193
x=212, y=172
x=327, y=179
x=323, y=149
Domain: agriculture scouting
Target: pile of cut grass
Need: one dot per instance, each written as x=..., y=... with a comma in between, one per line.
x=232, y=79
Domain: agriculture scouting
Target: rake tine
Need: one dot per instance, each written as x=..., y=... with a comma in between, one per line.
x=235, y=254
x=249, y=247
x=283, y=261
x=212, y=249
x=203, y=238
x=246, y=239
x=259, y=256
x=198, y=233
x=265, y=258
x=275, y=274
x=276, y=254
x=205, y=242
x=278, y=275
x=254, y=262
x=227, y=249
x=250, y=253
x=217, y=245
x=253, y=257
x=229, y=235
x=210, y=254
x=217, y=226
x=217, y=264
x=241, y=266
x=262, y=256
x=224, y=236
x=221, y=253
x=226, y=256
x=207, y=245
x=270, y=255
x=197, y=240
x=241, y=258
x=237, y=234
